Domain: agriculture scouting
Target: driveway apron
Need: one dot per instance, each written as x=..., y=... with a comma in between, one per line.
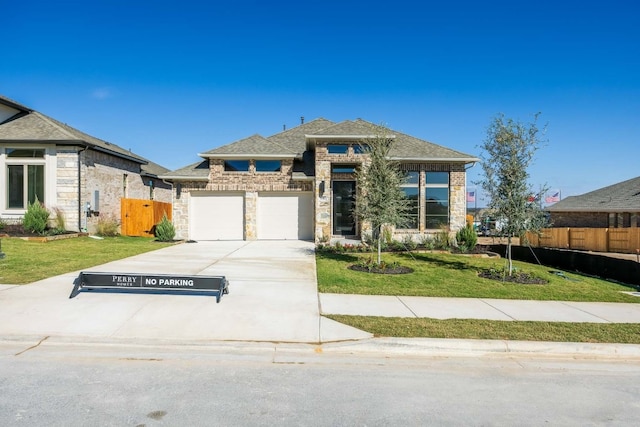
x=273, y=297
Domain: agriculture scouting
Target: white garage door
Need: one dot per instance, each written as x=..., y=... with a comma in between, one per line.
x=216, y=216
x=285, y=216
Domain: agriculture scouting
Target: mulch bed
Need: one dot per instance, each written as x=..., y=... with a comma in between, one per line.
x=516, y=277
x=17, y=230
x=388, y=270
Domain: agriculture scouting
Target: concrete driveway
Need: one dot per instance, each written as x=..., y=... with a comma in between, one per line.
x=273, y=297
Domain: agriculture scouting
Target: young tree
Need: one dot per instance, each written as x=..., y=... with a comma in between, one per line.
x=507, y=153
x=381, y=201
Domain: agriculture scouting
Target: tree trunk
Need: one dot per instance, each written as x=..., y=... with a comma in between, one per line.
x=509, y=255
x=379, y=245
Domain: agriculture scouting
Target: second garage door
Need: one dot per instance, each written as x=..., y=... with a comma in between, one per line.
x=285, y=216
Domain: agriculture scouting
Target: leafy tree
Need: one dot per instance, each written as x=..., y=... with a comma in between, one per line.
x=507, y=153
x=381, y=200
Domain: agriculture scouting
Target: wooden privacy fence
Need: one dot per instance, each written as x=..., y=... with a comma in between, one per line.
x=138, y=217
x=623, y=240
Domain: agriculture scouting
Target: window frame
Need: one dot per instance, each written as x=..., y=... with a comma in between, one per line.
x=229, y=162
x=262, y=161
x=406, y=185
x=38, y=161
x=437, y=184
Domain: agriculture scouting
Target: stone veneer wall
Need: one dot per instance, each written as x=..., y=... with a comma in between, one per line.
x=104, y=173
x=250, y=183
x=324, y=160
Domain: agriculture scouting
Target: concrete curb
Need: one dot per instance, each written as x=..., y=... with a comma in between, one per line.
x=374, y=347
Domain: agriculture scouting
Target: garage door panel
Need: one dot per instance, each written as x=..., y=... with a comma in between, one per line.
x=285, y=216
x=216, y=216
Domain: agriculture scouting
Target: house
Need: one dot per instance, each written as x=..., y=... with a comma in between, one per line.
x=78, y=175
x=615, y=206
x=300, y=184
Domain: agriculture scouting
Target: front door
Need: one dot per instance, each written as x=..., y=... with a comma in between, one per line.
x=344, y=201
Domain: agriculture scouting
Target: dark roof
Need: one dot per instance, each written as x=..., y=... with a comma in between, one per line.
x=621, y=197
x=195, y=172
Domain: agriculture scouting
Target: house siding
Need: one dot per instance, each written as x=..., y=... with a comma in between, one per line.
x=250, y=183
x=103, y=173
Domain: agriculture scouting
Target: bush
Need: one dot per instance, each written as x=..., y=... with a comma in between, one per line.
x=107, y=226
x=36, y=217
x=60, y=223
x=466, y=237
x=3, y=223
x=441, y=239
x=165, y=231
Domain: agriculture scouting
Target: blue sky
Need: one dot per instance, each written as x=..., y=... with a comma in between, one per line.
x=169, y=80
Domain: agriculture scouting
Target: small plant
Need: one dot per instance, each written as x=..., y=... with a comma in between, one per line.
x=441, y=239
x=427, y=242
x=165, y=231
x=3, y=223
x=59, y=221
x=409, y=243
x=36, y=217
x=107, y=226
x=467, y=237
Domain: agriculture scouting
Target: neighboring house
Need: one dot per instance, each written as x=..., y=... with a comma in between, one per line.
x=300, y=184
x=615, y=206
x=82, y=177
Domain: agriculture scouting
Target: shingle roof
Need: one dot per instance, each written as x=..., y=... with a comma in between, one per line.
x=197, y=172
x=621, y=197
x=36, y=127
x=254, y=146
x=296, y=141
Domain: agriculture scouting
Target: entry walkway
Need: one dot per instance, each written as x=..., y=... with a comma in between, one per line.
x=479, y=308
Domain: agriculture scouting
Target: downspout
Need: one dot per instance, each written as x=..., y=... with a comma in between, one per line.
x=80, y=188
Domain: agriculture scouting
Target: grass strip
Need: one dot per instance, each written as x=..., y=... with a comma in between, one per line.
x=622, y=333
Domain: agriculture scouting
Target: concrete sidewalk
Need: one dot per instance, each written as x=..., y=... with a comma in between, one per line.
x=479, y=308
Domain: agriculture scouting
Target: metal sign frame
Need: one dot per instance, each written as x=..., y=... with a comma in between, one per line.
x=163, y=283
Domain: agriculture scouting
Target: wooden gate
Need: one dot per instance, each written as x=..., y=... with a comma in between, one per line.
x=138, y=217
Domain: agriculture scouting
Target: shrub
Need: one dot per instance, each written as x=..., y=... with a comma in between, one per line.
x=3, y=223
x=107, y=226
x=409, y=243
x=467, y=237
x=441, y=239
x=36, y=217
x=165, y=231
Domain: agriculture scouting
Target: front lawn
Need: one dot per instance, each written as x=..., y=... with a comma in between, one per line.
x=452, y=275
x=28, y=261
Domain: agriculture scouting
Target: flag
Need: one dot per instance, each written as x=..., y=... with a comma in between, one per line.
x=471, y=196
x=554, y=197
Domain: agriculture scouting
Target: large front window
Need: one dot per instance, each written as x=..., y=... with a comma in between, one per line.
x=411, y=190
x=25, y=177
x=437, y=199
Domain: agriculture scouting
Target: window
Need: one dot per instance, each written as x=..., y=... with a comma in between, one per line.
x=236, y=165
x=337, y=149
x=25, y=183
x=25, y=176
x=268, y=165
x=360, y=148
x=437, y=199
x=412, y=193
x=343, y=168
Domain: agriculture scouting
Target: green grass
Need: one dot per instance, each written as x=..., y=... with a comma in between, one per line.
x=625, y=333
x=449, y=275
x=28, y=261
